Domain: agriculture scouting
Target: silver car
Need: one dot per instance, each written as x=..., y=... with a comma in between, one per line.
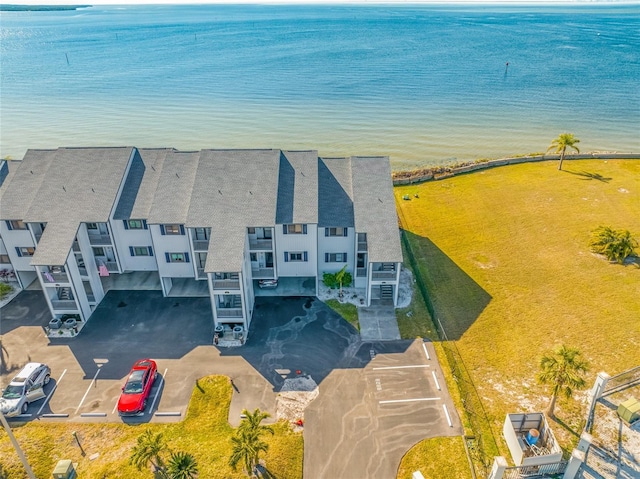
x=24, y=388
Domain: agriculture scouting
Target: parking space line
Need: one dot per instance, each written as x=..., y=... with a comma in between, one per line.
x=403, y=367
x=391, y=401
x=435, y=378
x=88, y=389
x=444, y=406
x=51, y=392
x=424, y=346
x=158, y=390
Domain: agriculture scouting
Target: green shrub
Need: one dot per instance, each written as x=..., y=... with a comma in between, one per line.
x=331, y=280
x=5, y=290
x=615, y=245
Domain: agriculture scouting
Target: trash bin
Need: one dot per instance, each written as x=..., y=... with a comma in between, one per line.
x=219, y=330
x=237, y=332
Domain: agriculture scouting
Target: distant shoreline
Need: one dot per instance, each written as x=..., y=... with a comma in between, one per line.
x=39, y=8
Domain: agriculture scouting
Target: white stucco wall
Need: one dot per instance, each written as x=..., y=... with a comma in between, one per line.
x=336, y=244
x=297, y=243
x=163, y=244
x=128, y=238
x=13, y=239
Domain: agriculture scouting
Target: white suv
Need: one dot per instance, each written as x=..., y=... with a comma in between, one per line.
x=24, y=388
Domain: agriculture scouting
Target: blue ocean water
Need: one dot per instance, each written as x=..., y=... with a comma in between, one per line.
x=425, y=84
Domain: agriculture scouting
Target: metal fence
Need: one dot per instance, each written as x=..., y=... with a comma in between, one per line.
x=481, y=445
x=553, y=470
x=621, y=381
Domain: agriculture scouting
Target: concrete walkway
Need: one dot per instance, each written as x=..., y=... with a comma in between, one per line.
x=378, y=323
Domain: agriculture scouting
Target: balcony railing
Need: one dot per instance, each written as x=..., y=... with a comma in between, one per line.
x=262, y=273
x=91, y=298
x=76, y=246
x=38, y=236
x=200, y=245
x=201, y=274
x=229, y=312
x=226, y=283
x=83, y=271
x=100, y=239
x=51, y=278
x=361, y=272
x=64, y=304
x=362, y=246
x=112, y=266
x=260, y=244
x=383, y=275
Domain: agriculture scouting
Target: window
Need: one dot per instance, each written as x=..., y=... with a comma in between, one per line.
x=92, y=226
x=172, y=229
x=267, y=233
x=336, y=231
x=140, y=250
x=98, y=252
x=176, y=257
x=296, y=256
x=253, y=257
x=4, y=259
x=251, y=230
x=25, y=251
x=16, y=225
x=135, y=224
x=335, y=257
x=294, y=229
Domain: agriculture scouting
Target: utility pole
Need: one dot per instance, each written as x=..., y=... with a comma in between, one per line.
x=16, y=446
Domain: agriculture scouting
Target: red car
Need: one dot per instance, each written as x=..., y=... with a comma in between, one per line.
x=135, y=392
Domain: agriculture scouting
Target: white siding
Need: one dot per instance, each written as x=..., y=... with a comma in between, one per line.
x=171, y=244
x=127, y=238
x=3, y=250
x=20, y=239
x=335, y=244
x=297, y=243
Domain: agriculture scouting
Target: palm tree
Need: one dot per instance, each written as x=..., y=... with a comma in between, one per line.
x=252, y=422
x=148, y=450
x=247, y=447
x=340, y=277
x=182, y=465
x=563, y=371
x=564, y=141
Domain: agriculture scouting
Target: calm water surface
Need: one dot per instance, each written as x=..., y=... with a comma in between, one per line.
x=423, y=84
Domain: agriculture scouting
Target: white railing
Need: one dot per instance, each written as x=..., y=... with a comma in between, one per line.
x=200, y=245
x=226, y=283
x=383, y=275
x=64, y=304
x=260, y=244
x=262, y=273
x=100, y=239
x=229, y=312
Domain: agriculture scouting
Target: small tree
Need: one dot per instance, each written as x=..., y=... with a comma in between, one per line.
x=616, y=245
x=564, y=141
x=340, y=277
x=182, y=465
x=247, y=443
x=563, y=371
x=148, y=450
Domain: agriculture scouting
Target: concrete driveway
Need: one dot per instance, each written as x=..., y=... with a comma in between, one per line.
x=377, y=399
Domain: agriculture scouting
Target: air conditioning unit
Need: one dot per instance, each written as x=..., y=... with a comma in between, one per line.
x=65, y=469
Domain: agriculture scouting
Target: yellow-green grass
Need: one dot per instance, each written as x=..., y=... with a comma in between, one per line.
x=347, y=310
x=504, y=254
x=205, y=433
x=436, y=458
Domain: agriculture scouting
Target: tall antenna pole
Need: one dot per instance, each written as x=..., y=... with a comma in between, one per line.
x=16, y=446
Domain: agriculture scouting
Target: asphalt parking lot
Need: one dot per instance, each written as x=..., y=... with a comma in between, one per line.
x=376, y=399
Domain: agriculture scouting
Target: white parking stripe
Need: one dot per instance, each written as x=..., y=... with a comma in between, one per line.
x=408, y=400
x=444, y=406
x=424, y=346
x=436, y=380
x=403, y=367
x=88, y=389
x=51, y=393
x=158, y=390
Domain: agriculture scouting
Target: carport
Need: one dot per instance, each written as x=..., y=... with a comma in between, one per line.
x=289, y=286
x=132, y=281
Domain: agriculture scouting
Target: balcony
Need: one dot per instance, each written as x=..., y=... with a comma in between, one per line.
x=362, y=246
x=361, y=272
x=229, y=312
x=260, y=244
x=64, y=304
x=112, y=266
x=99, y=240
x=262, y=273
x=385, y=275
x=76, y=247
x=51, y=277
x=200, y=274
x=201, y=245
x=226, y=284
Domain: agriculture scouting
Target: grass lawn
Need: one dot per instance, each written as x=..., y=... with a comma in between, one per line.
x=436, y=458
x=505, y=257
x=205, y=433
x=347, y=310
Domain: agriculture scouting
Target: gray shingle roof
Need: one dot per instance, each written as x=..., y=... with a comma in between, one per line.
x=297, y=183
x=335, y=201
x=66, y=187
x=7, y=172
x=375, y=207
x=233, y=189
x=173, y=194
x=142, y=182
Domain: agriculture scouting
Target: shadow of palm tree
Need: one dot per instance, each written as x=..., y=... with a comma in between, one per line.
x=263, y=472
x=566, y=426
x=589, y=176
